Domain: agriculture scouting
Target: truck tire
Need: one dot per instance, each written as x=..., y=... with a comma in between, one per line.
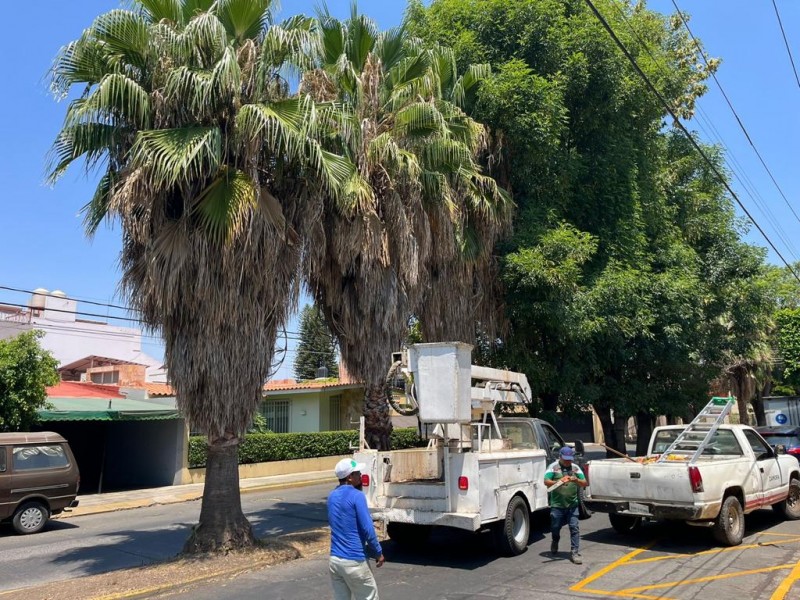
x=408, y=534
x=789, y=509
x=625, y=524
x=729, y=526
x=513, y=532
x=31, y=517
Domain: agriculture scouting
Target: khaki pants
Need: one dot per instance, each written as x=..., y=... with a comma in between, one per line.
x=352, y=579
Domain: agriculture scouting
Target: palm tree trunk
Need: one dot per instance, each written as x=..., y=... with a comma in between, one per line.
x=222, y=525
x=377, y=419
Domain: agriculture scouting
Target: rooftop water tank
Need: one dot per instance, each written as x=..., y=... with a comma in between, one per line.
x=38, y=298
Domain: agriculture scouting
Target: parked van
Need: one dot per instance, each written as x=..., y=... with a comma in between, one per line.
x=38, y=478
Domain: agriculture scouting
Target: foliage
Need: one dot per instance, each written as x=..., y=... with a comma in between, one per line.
x=788, y=345
x=26, y=370
x=259, y=424
x=317, y=347
x=627, y=285
x=269, y=447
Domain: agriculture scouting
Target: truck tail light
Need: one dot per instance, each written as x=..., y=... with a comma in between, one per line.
x=696, y=479
x=463, y=483
x=365, y=480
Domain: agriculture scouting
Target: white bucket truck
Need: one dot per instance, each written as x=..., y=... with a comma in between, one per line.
x=478, y=470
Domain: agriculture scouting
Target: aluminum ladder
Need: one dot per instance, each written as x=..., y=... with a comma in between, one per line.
x=701, y=429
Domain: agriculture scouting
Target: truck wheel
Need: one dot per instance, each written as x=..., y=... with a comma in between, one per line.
x=729, y=526
x=408, y=534
x=512, y=534
x=789, y=509
x=625, y=524
x=31, y=517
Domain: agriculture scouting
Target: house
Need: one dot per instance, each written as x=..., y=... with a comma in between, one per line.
x=318, y=405
x=79, y=344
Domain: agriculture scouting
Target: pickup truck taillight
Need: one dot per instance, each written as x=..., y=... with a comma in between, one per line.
x=365, y=480
x=696, y=480
x=463, y=483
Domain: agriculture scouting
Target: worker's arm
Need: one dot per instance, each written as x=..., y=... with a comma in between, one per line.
x=366, y=529
x=578, y=477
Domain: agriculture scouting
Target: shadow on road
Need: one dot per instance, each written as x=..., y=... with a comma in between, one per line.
x=286, y=517
x=677, y=536
x=6, y=530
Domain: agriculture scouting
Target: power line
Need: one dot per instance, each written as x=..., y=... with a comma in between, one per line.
x=12, y=289
x=786, y=43
x=686, y=132
x=733, y=110
x=728, y=156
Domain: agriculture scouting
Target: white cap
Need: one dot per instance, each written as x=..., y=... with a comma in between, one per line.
x=346, y=466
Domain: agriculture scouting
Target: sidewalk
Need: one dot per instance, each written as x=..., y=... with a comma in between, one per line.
x=101, y=503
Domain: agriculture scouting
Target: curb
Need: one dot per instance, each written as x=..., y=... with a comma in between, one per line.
x=176, y=499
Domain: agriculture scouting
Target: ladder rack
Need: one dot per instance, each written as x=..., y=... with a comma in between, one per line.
x=705, y=424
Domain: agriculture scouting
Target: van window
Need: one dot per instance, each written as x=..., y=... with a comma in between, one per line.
x=27, y=458
x=2, y=459
x=520, y=435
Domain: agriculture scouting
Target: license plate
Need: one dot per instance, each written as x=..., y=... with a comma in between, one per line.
x=637, y=508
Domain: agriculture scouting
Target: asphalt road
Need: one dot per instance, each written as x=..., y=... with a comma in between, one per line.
x=663, y=562
x=98, y=543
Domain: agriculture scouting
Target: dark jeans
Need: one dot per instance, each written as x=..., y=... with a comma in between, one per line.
x=565, y=516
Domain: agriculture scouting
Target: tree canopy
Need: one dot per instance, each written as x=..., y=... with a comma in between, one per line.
x=317, y=346
x=26, y=370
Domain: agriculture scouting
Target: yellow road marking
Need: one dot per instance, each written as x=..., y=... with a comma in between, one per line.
x=607, y=569
x=779, y=534
x=715, y=551
x=786, y=584
x=656, y=586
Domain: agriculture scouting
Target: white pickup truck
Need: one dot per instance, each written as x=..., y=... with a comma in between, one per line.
x=736, y=473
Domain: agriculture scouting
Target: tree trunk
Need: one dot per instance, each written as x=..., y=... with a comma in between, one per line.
x=550, y=401
x=604, y=414
x=620, y=429
x=222, y=526
x=758, y=404
x=644, y=429
x=377, y=418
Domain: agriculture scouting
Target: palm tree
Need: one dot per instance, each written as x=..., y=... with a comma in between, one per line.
x=423, y=216
x=207, y=160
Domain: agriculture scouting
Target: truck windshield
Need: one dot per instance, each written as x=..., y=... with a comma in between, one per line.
x=723, y=442
x=519, y=434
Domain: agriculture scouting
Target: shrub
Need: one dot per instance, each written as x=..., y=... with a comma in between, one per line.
x=267, y=447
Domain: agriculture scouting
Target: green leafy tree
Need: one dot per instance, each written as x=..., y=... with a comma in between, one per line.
x=26, y=370
x=214, y=171
x=317, y=347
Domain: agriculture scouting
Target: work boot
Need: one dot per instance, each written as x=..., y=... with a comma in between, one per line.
x=575, y=557
x=553, y=548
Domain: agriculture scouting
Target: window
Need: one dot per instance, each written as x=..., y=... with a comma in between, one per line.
x=276, y=412
x=28, y=458
x=520, y=435
x=722, y=442
x=551, y=438
x=335, y=413
x=106, y=377
x=760, y=448
x=2, y=459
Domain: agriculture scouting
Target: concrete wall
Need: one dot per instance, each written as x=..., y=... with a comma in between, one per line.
x=145, y=453
x=304, y=413
x=278, y=467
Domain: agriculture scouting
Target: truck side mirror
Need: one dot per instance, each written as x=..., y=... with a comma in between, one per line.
x=579, y=448
x=780, y=449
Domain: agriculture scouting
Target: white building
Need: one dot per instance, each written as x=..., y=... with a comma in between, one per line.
x=78, y=344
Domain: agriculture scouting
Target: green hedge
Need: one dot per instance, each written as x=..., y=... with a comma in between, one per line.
x=267, y=447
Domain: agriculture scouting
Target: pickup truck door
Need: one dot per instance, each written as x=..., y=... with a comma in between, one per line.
x=767, y=468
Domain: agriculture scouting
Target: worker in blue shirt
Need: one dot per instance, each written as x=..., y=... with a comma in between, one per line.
x=352, y=535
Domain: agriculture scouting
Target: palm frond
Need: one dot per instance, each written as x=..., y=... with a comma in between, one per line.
x=204, y=39
x=362, y=34
x=226, y=77
x=466, y=83
x=224, y=204
x=244, y=19
x=81, y=61
x=118, y=96
x=391, y=47
x=188, y=91
x=96, y=210
x=418, y=120
x=163, y=10
x=124, y=35
x=178, y=156
x=192, y=8
x=92, y=141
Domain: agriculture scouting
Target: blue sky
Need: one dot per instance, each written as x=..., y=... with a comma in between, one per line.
x=42, y=243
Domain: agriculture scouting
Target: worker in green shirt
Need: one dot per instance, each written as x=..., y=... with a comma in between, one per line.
x=564, y=476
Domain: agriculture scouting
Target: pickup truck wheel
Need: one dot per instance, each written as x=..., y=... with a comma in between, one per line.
x=512, y=533
x=625, y=524
x=31, y=517
x=408, y=534
x=789, y=509
x=729, y=526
